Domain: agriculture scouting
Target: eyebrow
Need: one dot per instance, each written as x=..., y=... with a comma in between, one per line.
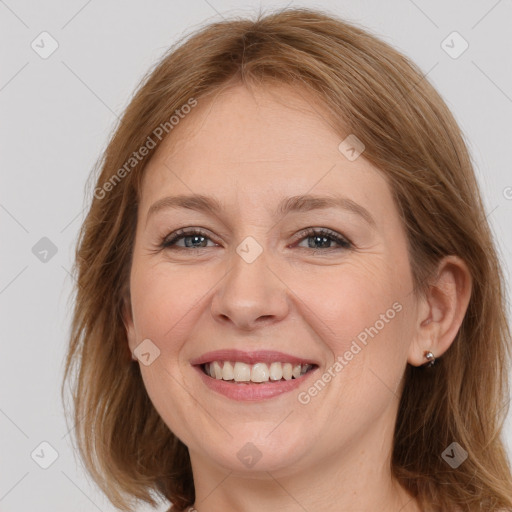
x=301, y=203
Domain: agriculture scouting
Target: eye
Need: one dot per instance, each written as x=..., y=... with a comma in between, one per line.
x=198, y=239
x=322, y=236
x=193, y=239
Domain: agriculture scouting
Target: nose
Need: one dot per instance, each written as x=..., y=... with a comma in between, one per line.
x=250, y=295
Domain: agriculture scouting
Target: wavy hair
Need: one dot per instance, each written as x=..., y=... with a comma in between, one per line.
x=370, y=90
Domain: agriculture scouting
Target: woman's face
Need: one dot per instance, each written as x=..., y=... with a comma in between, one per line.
x=255, y=280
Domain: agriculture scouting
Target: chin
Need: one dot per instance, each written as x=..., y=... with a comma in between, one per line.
x=257, y=448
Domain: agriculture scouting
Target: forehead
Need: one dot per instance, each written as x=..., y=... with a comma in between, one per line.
x=277, y=141
x=260, y=124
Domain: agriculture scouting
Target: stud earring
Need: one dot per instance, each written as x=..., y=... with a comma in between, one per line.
x=430, y=359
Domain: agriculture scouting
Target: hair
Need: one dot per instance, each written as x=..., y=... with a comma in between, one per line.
x=376, y=93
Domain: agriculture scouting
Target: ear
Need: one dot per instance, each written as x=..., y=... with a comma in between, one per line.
x=442, y=310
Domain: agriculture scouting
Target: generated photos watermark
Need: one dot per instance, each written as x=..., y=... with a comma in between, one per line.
x=137, y=156
x=305, y=397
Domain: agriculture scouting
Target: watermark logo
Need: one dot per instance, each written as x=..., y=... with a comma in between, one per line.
x=249, y=455
x=44, y=250
x=44, y=45
x=146, y=352
x=454, y=45
x=454, y=455
x=44, y=455
x=351, y=147
x=249, y=249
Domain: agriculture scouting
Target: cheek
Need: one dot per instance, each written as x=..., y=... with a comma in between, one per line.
x=164, y=299
x=343, y=302
x=364, y=324
x=172, y=398
x=360, y=314
x=164, y=302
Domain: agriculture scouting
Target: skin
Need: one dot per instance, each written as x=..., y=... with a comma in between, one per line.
x=250, y=148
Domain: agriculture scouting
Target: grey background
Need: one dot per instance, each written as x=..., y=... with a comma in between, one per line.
x=56, y=114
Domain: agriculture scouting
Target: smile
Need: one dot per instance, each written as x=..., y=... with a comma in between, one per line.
x=253, y=375
x=243, y=373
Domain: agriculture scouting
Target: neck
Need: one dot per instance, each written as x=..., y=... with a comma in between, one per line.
x=353, y=478
x=230, y=493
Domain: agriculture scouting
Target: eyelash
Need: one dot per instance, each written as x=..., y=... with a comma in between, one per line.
x=170, y=240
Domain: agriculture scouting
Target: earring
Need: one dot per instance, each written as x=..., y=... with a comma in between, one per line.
x=430, y=359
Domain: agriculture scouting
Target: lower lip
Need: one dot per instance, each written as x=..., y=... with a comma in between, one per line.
x=252, y=392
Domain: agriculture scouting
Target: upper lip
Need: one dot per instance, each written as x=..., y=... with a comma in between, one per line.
x=258, y=356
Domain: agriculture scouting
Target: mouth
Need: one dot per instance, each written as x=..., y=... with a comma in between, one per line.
x=242, y=367
x=238, y=372
x=253, y=376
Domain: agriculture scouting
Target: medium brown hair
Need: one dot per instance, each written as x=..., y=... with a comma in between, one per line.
x=376, y=93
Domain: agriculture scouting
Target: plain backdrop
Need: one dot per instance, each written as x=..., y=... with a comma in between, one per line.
x=57, y=110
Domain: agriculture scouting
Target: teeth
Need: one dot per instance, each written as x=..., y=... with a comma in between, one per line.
x=259, y=372
x=241, y=372
x=217, y=370
x=227, y=371
x=276, y=371
x=305, y=368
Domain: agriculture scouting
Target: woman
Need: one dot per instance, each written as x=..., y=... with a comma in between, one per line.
x=288, y=296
